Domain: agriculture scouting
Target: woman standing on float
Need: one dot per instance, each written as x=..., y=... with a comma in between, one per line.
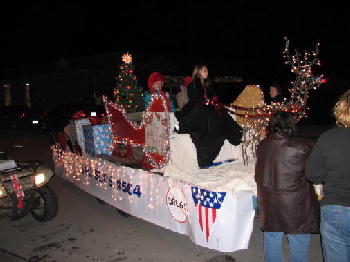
x=207, y=123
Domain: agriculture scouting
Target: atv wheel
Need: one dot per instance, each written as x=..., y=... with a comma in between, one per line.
x=45, y=204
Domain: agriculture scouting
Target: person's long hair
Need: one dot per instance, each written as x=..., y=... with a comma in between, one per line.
x=341, y=110
x=197, y=75
x=283, y=123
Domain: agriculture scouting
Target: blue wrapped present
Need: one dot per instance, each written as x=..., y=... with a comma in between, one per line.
x=98, y=139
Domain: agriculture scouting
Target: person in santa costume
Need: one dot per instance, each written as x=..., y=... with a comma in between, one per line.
x=155, y=83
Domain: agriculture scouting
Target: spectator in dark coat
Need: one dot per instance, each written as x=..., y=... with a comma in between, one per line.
x=287, y=202
x=329, y=164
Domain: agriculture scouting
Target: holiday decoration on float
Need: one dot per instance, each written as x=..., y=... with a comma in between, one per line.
x=132, y=135
x=98, y=139
x=255, y=119
x=127, y=92
x=251, y=97
x=302, y=66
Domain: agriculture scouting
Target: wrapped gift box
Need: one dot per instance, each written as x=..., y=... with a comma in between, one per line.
x=74, y=130
x=98, y=139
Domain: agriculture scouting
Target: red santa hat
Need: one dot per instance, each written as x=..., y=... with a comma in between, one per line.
x=154, y=77
x=187, y=80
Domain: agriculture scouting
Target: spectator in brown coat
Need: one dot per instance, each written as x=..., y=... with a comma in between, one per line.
x=287, y=202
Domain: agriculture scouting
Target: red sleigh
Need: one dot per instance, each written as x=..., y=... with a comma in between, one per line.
x=129, y=136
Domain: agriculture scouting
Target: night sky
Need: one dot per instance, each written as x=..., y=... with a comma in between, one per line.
x=234, y=38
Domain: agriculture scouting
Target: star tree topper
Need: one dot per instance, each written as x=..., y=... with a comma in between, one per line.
x=127, y=58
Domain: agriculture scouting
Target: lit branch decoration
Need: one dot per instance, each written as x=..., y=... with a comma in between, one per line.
x=305, y=79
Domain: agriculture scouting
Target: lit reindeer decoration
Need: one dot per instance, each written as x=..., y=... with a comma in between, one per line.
x=255, y=119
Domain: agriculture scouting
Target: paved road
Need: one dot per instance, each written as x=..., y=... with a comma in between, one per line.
x=85, y=230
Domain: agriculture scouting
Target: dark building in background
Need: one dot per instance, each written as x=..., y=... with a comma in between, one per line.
x=64, y=81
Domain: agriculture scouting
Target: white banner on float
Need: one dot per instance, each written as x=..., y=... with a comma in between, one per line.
x=217, y=220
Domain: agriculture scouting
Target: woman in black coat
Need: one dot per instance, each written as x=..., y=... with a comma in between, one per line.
x=207, y=123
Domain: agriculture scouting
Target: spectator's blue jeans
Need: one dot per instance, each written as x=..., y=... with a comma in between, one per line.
x=298, y=247
x=335, y=233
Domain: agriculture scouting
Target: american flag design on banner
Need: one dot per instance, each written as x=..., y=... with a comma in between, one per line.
x=207, y=203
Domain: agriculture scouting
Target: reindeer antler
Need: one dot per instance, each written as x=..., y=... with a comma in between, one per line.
x=305, y=80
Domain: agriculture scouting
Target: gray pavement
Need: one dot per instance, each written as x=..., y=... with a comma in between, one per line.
x=85, y=230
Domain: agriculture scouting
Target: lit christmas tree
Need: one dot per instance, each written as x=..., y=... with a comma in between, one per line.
x=127, y=93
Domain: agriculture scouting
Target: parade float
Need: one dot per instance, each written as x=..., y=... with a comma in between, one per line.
x=136, y=162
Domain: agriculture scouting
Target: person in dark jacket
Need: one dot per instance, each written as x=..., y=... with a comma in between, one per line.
x=329, y=164
x=207, y=123
x=275, y=94
x=287, y=201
